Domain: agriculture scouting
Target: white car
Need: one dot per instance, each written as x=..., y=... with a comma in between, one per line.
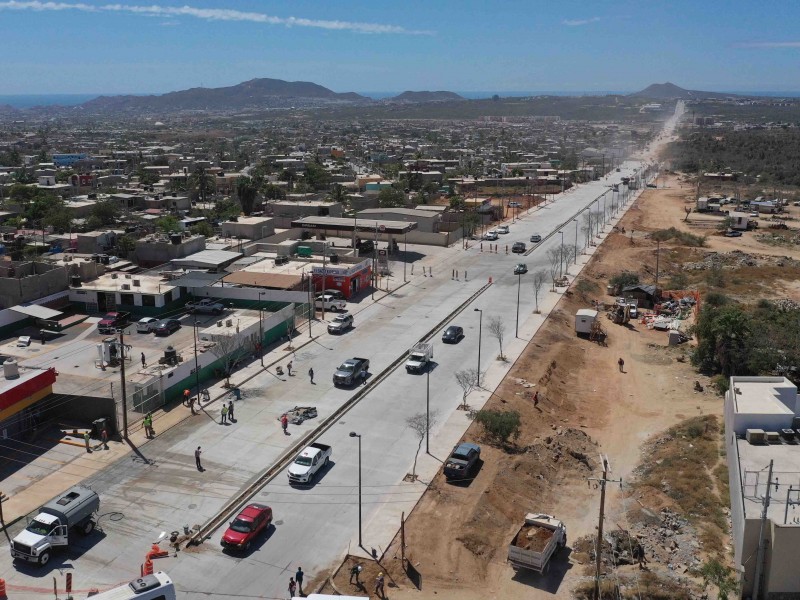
x=502, y=229
x=146, y=325
x=491, y=236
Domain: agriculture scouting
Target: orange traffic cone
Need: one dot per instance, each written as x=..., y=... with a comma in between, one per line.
x=148, y=567
x=3, y=588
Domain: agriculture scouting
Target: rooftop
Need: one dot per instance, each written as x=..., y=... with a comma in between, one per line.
x=147, y=284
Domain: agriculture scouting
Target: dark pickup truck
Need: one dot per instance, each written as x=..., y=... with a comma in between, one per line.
x=350, y=371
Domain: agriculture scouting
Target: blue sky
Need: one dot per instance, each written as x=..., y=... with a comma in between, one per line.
x=87, y=46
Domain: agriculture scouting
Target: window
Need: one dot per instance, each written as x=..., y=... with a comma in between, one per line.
x=168, y=296
x=148, y=300
x=126, y=299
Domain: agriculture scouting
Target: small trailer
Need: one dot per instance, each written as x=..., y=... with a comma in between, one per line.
x=584, y=319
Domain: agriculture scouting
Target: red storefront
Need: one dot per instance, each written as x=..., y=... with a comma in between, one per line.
x=348, y=279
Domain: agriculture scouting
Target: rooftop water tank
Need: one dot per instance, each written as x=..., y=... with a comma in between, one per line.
x=10, y=369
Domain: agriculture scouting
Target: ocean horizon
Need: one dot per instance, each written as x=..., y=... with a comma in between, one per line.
x=21, y=101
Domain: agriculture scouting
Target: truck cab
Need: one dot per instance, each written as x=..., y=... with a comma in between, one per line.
x=309, y=463
x=419, y=358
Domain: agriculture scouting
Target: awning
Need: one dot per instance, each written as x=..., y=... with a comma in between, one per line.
x=37, y=311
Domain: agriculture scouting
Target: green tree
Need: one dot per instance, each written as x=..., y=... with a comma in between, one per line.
x=247, y=192
x=147, y=177
x=722, y=340
x=59, y=217
x=168, y=223
x=500, y=426
x=338, y=193
x=104, y=212
x=273, y=192
x=391, y=198
x=203, y=228
x=316, y=176
x=126, y=244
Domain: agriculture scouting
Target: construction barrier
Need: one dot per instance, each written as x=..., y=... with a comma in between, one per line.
x=3, y=588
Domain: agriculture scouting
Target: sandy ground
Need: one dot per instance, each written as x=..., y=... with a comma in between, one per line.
x=458, y=535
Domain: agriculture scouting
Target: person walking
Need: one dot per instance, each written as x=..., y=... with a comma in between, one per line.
x=224, y=413
x=292, y=587
x=144, y=361
x=104, y=438
x=289, y=368
x=621, y=364
x=191, y=405
x=86, y=441
x=186, y=395
x=311, y=374
x=230, y=411
x=355, y=571
x=298, y=577
x=364, y=376
x=379, y=581
x=536, y=399
x=285, y=423
x=148, y=425
x=197, y=454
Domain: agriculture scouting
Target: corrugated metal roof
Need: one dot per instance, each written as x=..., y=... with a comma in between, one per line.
x=36, y=311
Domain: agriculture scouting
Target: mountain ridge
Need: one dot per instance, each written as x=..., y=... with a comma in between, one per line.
x=425, y=96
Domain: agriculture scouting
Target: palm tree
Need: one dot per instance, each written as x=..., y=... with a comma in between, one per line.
x=338, y=194
x=202, y=181
x=247, y=191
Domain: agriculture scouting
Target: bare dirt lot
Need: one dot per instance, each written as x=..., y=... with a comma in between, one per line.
x=657, y=420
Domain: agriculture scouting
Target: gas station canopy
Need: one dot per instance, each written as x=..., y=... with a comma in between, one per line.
x=341, y=224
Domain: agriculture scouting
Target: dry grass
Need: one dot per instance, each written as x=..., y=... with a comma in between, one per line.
x=683, y=463
x=648, y=585
x=679, y=237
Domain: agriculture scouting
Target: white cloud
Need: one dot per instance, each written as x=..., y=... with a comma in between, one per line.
x=579, y=22
x=210, y=14
x=768, y=45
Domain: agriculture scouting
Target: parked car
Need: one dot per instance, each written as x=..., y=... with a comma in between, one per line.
x=520, y=269
x=328, y=302
x=453, y=334
x=491, y=236
x=335, y=293
x=519, y=247
x=462, y=461
x=146, y=325
x=340, y=323
x=502, y=229
x=112, y=321
x=167, y=326
x=246, y=527
x=733, y=233
x=652, y=185
x=365, y=246
x=536, y=238
x=514, y=204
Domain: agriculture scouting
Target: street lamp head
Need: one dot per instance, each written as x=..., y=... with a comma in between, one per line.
x=354, y=434
x=478, y=310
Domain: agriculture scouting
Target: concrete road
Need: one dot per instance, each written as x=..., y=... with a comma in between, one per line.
x=158, y=488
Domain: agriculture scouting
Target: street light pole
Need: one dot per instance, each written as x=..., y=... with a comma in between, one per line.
x=261, y=330
x=196, y=365
x=428, y=413
x=358, y=435
x=576, y=240
x=561, y=257
x=480, y=332
x=519, y=284
x=405, y=254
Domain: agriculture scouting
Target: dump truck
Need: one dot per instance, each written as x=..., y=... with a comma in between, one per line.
x=74, y=509
x=534, y=544
x=419, y=358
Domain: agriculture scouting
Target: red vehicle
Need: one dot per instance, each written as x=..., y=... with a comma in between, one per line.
x=245, y=528
x=112, y=321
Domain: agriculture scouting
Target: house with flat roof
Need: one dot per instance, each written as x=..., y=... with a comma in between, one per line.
x=762, y=441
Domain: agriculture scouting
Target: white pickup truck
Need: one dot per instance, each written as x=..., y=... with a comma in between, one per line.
x=419, y=358
x=534, y=544
x=309, y=463
x=206, y=306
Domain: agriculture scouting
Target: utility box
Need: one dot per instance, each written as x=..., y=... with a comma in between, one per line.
x=304, y=251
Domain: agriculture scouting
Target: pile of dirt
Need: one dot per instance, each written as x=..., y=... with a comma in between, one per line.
x=737, y=259
x=533, y=537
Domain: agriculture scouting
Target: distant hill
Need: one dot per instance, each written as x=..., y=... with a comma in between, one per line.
x=670, y=91
x=426, y=97
x=256, y=93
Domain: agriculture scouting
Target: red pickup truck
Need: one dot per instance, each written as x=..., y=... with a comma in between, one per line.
x=113, y=321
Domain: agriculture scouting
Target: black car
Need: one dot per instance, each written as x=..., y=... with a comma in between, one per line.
x=463, y=459
x=518, y=247
x=167, y=326
x=453, y=334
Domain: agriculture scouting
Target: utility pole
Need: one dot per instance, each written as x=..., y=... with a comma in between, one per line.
x=122, y=381
x=761, y=541
x=196, y=364
x=658, y=254
x=599, y=548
